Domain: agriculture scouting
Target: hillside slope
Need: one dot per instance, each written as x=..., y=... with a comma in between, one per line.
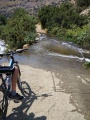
x=32, y=6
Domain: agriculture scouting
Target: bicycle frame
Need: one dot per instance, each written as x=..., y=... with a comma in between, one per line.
x=4, y=88
x=12, y=62
x=3, y=85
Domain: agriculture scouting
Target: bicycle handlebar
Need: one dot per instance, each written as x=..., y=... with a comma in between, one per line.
x=13, y=52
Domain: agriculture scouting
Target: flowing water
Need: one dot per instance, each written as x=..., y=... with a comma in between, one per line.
x=65, y=61
x=52, y=47
x=2, y=46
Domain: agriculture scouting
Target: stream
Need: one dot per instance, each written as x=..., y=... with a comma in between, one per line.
x=51, y=47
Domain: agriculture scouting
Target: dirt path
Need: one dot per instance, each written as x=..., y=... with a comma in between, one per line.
x=39, y=29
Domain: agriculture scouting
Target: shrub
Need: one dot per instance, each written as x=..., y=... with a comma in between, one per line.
x=87, y=65
x=84, y=38
x=30, y=38
x=82, y=3
x=17, y=28
x=2, y=20
x=63, y=16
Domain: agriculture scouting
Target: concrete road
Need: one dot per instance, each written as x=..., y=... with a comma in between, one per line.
x=59, y=91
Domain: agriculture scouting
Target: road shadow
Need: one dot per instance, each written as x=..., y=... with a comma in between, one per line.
x=31, y=116
x=20, y=113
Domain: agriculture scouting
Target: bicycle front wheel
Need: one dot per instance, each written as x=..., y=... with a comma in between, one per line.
x=24, y=88
x=3, y=104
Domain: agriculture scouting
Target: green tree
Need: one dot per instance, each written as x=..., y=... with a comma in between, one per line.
x=20, y=25
x=64, y=16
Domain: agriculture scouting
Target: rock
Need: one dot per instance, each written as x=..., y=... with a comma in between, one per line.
x=25, y=46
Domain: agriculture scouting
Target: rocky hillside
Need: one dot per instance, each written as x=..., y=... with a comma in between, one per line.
x=32, y=6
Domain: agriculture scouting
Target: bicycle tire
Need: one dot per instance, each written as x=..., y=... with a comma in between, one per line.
x=3, y=104
x=24, y=88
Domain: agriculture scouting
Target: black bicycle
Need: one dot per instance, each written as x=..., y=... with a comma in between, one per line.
x=5, y=76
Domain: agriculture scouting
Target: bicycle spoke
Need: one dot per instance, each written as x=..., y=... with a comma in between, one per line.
x=3, y=105
x=26, y=91
x=1, y=100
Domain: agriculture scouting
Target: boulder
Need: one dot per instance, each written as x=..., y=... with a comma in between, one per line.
x=25, y=46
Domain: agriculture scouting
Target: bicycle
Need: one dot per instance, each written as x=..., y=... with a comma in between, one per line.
x=6, y=83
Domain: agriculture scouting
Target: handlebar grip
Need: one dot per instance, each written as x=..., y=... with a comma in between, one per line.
x=1, y=55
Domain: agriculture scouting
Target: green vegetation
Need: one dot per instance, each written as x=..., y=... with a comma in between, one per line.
x=84, y=37
x=82, y=3
x=19, y=29
x=64, y=16
x=66, y=22
x=86, y=65
x=2, y=20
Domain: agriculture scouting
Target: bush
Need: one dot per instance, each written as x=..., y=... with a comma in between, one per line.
x=18, y=27
x=58, y=32
x=64, y=16
x=70, y=34
x=82, y=3
x=2, y=20
x=30, y=38
x=84, y=38
x=87, y=65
